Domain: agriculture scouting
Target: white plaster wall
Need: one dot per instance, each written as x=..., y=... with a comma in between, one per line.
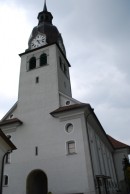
x=66, y=173
x=102, y=157
x=64, y=98
x=43, y=95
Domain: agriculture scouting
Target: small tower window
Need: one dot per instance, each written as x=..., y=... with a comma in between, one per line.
x=32, y=63
x=70, y=146
x=37, y=80
x=43, y=59
x=60, y=61
x=36, y=151
x=5, y=180
x=8, y=158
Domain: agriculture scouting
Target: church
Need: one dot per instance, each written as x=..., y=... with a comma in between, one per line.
x=62, y=147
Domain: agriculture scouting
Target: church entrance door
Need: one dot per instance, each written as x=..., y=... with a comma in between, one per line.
x=37, y=183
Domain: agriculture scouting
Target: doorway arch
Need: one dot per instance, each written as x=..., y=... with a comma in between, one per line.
x=37, y=183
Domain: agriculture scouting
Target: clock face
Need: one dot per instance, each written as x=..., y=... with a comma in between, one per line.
x=38, y=41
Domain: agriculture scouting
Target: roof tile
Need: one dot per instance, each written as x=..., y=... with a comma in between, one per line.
x=117, y=144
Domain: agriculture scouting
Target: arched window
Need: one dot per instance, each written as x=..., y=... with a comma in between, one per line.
x=37, y=183
x=32, y=63
x=43, y=59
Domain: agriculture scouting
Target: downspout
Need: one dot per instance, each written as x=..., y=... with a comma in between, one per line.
x=2, y=170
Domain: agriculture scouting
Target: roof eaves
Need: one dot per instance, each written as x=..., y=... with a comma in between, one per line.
x=10, y=121
x=64, y=109
x=117, y=144
x=7, y=140
x=9, y=112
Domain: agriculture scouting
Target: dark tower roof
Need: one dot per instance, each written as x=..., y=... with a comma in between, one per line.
x=46, y=27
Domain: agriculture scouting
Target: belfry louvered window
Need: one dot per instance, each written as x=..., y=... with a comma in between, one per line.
x=43, y=59
x=32, y=63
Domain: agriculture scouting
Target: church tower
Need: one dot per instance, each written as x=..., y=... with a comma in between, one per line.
x=46, y=124
x=44, y=67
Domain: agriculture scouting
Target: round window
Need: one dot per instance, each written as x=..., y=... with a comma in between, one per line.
x=67, y=103
x=69, y=128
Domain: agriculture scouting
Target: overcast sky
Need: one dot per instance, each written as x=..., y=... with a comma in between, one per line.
x=96, y=35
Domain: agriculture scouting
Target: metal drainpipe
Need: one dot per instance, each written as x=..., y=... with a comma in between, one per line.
x=2, y=170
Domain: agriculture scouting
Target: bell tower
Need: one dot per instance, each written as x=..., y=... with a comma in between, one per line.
x=44, y=67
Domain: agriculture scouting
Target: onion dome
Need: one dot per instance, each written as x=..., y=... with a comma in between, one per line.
x=46, y=28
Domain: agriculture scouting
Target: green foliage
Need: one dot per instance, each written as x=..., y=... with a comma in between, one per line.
x=127, y=173
x=125, y=163
x=126, y=168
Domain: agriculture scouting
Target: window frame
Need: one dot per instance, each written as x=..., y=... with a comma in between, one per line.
x=43, y=56
x=71, y=147
x=5, y=180
x=32, y=66
x=37, y=79
x=8, y=156
x=67, y=128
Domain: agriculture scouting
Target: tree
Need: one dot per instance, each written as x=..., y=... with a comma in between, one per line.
x=126, y=168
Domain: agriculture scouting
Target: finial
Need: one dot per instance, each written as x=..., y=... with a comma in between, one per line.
x=45, y=7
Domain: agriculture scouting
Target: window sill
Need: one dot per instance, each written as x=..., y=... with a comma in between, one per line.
x=37, y=67
x=69, y=154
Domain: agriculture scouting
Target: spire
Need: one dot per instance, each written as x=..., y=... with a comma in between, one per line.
x=45, y=7
x=45, y=16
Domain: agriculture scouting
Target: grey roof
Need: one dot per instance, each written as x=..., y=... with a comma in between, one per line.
x=70, y=107
x=10, y=121
x=7, y=140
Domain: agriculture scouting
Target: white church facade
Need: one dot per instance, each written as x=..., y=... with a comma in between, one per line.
x=61, y=146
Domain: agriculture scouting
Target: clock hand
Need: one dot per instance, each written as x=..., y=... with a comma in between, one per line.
x=38, y=41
